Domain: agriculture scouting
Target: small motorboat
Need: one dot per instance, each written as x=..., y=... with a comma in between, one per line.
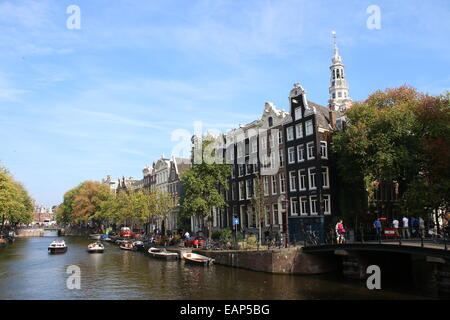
x=95, y=236
x=139, y=245
x=57, y=247
x=195, y=258
x=96, y=247
x=126, y=246
x=162, y=254
x=153, y=250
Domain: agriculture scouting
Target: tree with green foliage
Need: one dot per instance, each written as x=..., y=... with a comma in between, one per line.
x=15, y=203
x=204, y=184
x=397, y=135
x=165, y=204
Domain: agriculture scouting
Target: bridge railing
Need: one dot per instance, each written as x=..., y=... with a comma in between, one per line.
x=363, y=235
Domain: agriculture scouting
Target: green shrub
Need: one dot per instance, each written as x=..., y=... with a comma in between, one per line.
x=224, y=235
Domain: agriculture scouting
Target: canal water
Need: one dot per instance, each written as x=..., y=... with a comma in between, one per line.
x=27, y=271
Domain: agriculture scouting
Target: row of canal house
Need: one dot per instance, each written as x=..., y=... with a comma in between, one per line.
x=290, y=151
x=165, y=175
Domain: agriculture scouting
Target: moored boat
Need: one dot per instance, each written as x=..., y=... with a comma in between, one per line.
x=139, y=245
x=195, y=258
x=3, y=242
x=95, y=236
x=57, y=247
x=96, y=247
x=126, y=246
x=162, y=254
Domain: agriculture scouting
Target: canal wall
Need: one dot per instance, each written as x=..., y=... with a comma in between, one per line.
x=277, y=261
x=22, y=233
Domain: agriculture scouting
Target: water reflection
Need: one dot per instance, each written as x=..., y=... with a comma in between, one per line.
x=28, y=272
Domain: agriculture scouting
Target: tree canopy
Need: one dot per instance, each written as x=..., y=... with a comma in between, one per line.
x=398, y=135
x=15, y=204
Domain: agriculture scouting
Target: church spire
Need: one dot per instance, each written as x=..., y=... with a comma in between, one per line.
x=339, y=96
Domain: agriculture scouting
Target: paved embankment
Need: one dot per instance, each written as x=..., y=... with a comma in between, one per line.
x=280, y=261
x=30, y=232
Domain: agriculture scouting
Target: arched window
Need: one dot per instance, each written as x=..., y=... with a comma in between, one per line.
x=270, y=121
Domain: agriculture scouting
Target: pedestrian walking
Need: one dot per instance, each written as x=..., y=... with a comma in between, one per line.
x=421, y=227
x=405, y=229
x=340, y=232
x=377, y=226
x=395, y=224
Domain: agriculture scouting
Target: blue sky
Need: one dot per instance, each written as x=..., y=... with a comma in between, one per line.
x=106, y=99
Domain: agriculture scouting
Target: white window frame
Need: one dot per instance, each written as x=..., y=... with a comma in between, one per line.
x=302, y=179
x=292, y=181
x=275, y=213
x=323, y=149
x=291, y=152
x=280, y=136
x=309, y=128
x=312, y=186
x=281, y=157
x=326, y=177
x=299, y=131
x=303, y=206
x=290, y=133
x=266, y=185
x=294, y=207
x=313, y=199
x=301, y=153
x=248, y=187
x=310, y=155
x=241, y=193
x=274, y=184
x=282, y=182
x=326, y=203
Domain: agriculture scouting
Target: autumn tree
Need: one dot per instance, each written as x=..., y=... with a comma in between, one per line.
x=393, y=136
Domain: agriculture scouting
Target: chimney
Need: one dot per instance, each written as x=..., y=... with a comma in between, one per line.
x=332, y=119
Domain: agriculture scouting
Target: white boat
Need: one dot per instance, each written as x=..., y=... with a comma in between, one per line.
x=162, y=254
x=95, y=236
x=195, y=258
x=57, y=247
x=126, y=246
x=153, y=250
x=96, y=247
x=139, y=245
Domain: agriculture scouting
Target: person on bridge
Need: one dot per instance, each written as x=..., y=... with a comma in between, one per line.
x=395, y=224
x=340, y=232
x=421, y=227
x=405, y=229
x=377, y=226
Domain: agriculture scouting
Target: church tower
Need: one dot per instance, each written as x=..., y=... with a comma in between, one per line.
x=339, y=96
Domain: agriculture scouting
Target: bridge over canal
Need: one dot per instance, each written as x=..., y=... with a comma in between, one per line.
x=424, y=263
